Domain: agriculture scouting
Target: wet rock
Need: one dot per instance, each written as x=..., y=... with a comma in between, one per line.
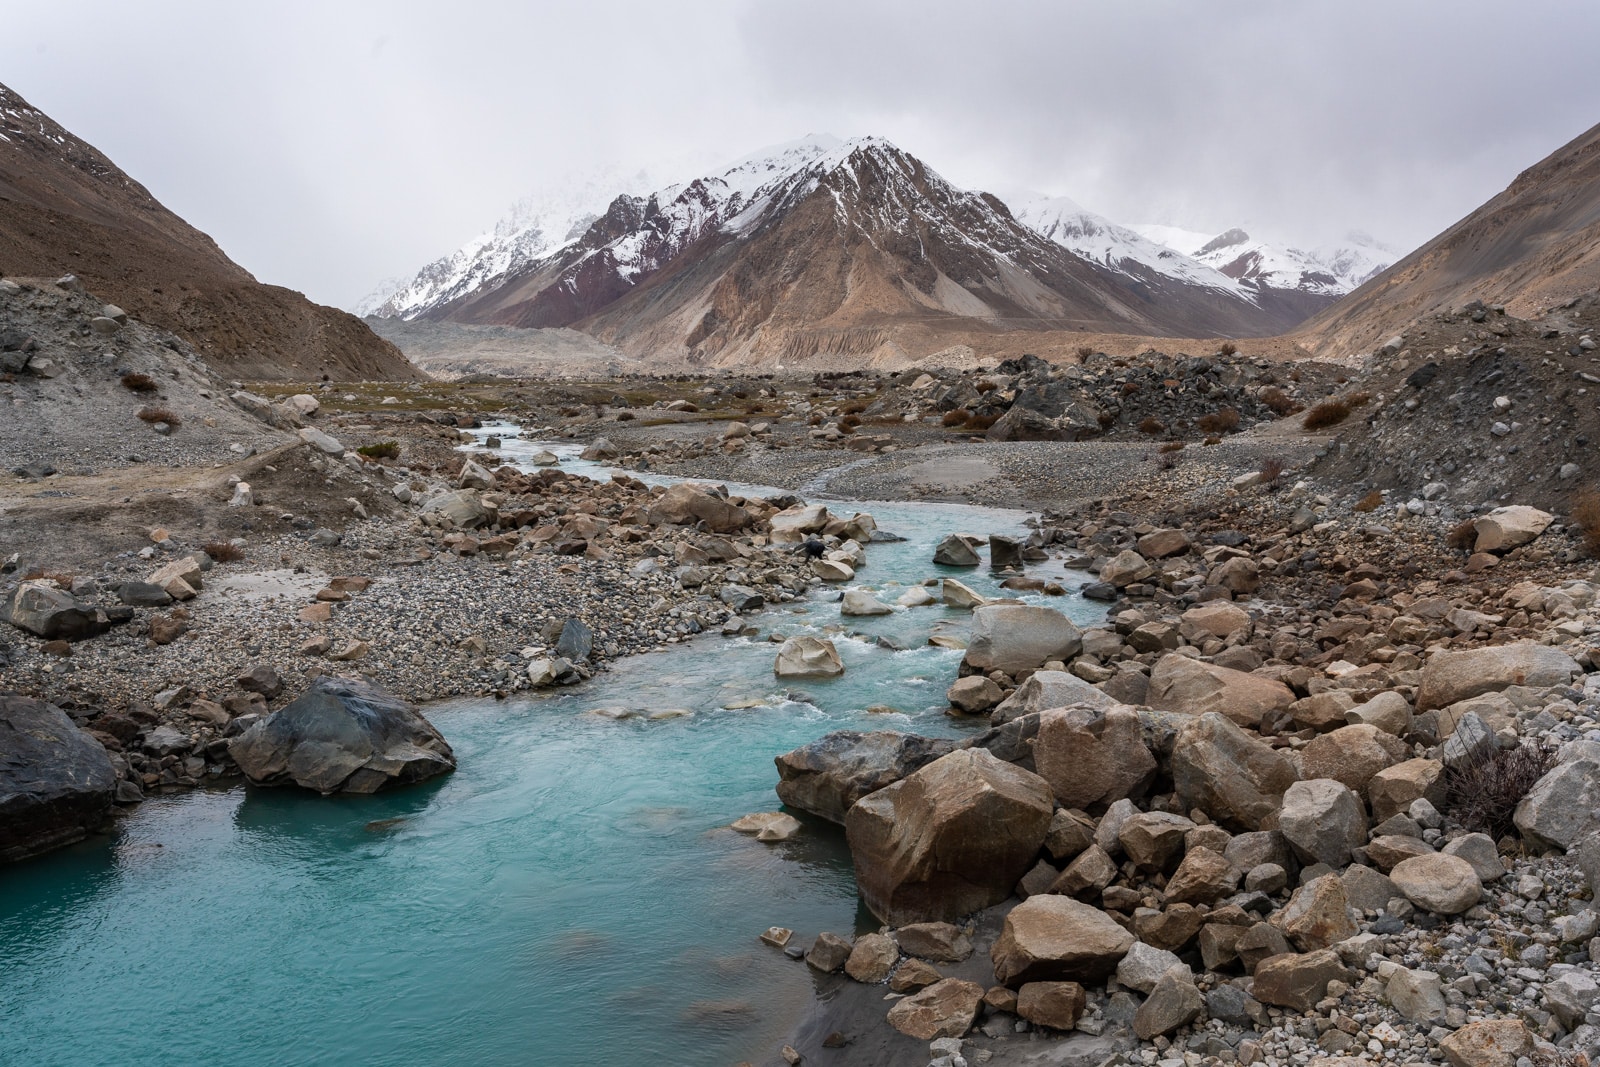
x=600, y=448
x=945, y=1009
x=861, y=602
x=827, y=776
x=793, y=525
x=1018, y=637
x=960, y=596
x=1184, y=684
x=871, y=958
x=829, y=953
x=1125, y=568
x=1004, y=552
x=56, y=782
x=955, y=551
x=949, y=839
x=1092, y=758
x=808, y=657
x=342, y=735
x=1447, y=885
x=1449, y=677
x=973, y=694
x=1055, y=938
x=1236, y=779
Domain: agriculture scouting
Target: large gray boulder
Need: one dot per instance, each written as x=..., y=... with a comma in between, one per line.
x=949, y=839
x=51, y=613
x=56, y=782
x=1018, y=637
x=1050, y=689
x=1233, y=777
x=1449, y=677
x=807, y=657
x=342, y=735
x=1507, y=528
x=1323, y=820
x=1563, y=807
x=462, y=508
x=827, y=776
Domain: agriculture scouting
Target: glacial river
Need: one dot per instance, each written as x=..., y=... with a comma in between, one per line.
x=571, y=896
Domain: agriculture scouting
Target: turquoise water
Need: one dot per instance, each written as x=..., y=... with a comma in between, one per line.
x=570, y=896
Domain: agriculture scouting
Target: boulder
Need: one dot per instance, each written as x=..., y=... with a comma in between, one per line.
x=1018, y=637
x=1298, y=981
x=1447, y=885
x=833, y=570
x=689, y=504
x=973, y=694
x=342, y=735
x=1144, y=965
x=1004, y=553
x=1563, y=807
x=1204, y=877
x=1055, y=1005
x=1159, y=544
x=1174, y=1002
x=1087, y=876
x=831, y=773
x=1351, y=755
x=1367, y=889
x=600, y=448
x=794, y=524
x=1093, y=758
x=861, y=602
x=321, y=441
x=1317, y=915
x=1322, y=711
x=461, y=508
x=1389, y=712
x=955, y=551
x=56, y=782
x=1184, y=684
x=1125, y=568
x=939, y=942
x=945, y=1009
x=808, y=657
x=959, y=595
x=1478, y=850
x=1153, y=840
x=1050, y=689
x=1490, y=1043
x=1571, y=996
x=474, y=476
x=1448, y=677
x=1323, y=820
x=1214, y=618
x=1506, y=528
x=1055, y=938
x=1235, y=778
x=51, y=613
x=949, y=839
x=1393, y=790
x=829, y=953
x=1416, y=995
x=871, y=958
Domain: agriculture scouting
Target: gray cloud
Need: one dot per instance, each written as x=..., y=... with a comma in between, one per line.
x=326, y=146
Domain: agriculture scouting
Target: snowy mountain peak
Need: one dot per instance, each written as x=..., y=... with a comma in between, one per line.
x=1328, y=270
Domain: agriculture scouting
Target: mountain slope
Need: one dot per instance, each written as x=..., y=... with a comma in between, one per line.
x=66, y=208
x=823, y=247
x=1535, y=245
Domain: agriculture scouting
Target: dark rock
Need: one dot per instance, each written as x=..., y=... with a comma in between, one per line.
x=576, y=641
x=52, y=613
x=143, y=595
x=831, y=773
x=56, y=782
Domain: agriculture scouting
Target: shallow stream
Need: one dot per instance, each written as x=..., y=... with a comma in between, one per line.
x=570, y=896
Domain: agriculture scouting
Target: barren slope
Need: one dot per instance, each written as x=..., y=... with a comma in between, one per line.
x=66, y=208
x=1533, y=246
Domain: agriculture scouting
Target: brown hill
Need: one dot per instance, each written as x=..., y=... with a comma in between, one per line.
x=1534, y=246
x=859, y=254
x=66, y=208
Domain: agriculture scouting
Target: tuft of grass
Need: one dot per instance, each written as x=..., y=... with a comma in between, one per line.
x=625, y=416
x=1152, y=425
x=955, y=418
x=223, y=551
x=1462, y=536
x=139, y=383
x=1223, y=420
x=850, y=422
x=381, y=450
x=1171, y=446
x=1586, y=514
x=1129, y=388
x=1278, y=401
x=1328, y=413
x=1371, y=502
x=154, y=415
x=981, y=423
x=1271, y=470
x=1228, y=349
x=1483, y=794
x=1085, y=351
x=985, y=386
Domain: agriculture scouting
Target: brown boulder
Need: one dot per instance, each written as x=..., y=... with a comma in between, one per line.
x=1298, y=981
x=1055, y=938
x=1057, y=1005
x=1093, y=758
x=1184, y=684
x=945, y=1009
x=1351, y=755
x=1317, y=915
x=1233, y=777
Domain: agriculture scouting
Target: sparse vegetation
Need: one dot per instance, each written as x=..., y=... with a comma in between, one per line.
x=1085, y=351
x=1171, y=446
x=1278, y=401
x=1223, y=420
x=981, y=423
x=954, y=418
x=1586, y=516
x=625, y=416
x=1152, y=425
x=850, y=422
x=1209, y=441
x=1483, y=793
x=1168, y=460
x=154, y=415
x=985, y=386
x=139, y=383
x=223, y=551
x=1271, y=471
x=1129, y=388
x=1462, y=536
x=1328, y=413
x=1228, y=349
x=381, y=450
x=1371, y=502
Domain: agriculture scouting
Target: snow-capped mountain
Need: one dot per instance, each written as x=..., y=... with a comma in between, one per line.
x=535, y=227
x=1330, y=270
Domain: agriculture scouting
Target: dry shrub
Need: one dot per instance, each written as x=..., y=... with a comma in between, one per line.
x=1271, y=470
x=1279, y=401
x=1462, y=536
x=981, y=423
x=1105, y=419
x=689, y=407
x=1152, y=425
x=1483, y=793
x=139, y=383
x=1228, y=349
x=571, y=413
x=1129, y=388
x=850, y=421
x=1328, y=413
x=859, y=407
x=1171, y=446
x=223, y=551
x=1223, y=420
x=1371, y=502
x=815, y=419
x=986, y=386
x=1085, y=351
x=1586, y=514
x=1355, y=400
x=1166, y=460
x=625, y=416
x=381, y=450
x=1209, y=441
x=955, y=418
x=166, y=415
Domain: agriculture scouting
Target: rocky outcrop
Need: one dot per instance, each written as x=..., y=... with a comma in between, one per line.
x=56, y=782
x=949, y=839
x=827, y=776
x=342, y=735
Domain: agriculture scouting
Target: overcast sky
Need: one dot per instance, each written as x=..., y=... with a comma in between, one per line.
x=329, y=145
